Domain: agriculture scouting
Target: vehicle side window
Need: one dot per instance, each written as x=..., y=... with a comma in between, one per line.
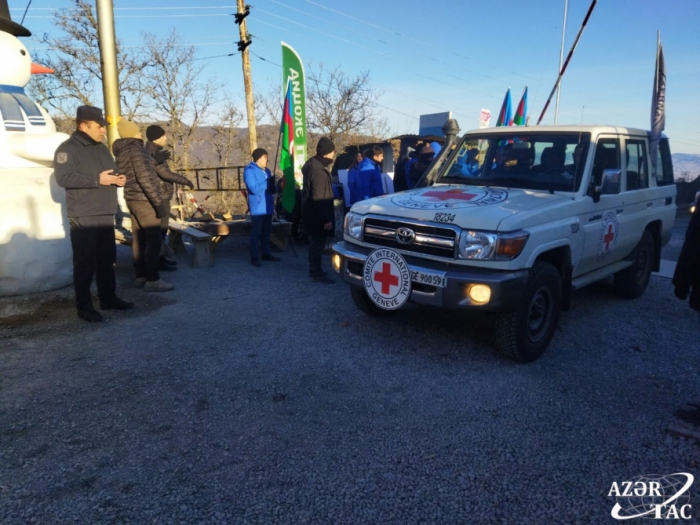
x=664, y=165
x=637, y=176
x=607, y=157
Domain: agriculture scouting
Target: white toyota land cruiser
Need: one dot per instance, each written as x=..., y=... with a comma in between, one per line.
x=511, y=220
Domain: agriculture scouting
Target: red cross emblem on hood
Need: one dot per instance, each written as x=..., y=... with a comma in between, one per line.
x=455, y=194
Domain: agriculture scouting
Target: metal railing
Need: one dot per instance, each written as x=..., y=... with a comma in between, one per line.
x=216, y=179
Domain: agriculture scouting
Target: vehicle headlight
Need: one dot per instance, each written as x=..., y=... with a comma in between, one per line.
x=353, y=226
x=482, y=246
x=477, y=245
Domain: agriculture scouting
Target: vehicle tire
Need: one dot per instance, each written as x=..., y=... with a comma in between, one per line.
x=365, y=304
x=523, y=334
x=632, y=282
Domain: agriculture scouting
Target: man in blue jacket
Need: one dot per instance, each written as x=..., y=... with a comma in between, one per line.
x=365, y=181
x=260, y=185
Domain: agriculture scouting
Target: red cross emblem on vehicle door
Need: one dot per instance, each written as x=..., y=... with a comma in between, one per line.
x=609, y=237
x=456, y=194
x=386, y=278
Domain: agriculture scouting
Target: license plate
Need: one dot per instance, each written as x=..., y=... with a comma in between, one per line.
x=433, y=279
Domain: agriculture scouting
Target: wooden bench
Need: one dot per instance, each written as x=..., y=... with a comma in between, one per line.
x=202, y=241
x=240, y=226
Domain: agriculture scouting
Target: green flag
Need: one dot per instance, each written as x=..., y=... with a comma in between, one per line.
x=293, y=128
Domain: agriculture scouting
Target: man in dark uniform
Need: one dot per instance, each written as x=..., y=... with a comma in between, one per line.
x=318, y=213
x=85, y=168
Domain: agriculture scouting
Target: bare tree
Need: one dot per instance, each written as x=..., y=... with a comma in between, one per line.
x=341, y=106
x=176, y=92
x=75, y=59
x=225, y=132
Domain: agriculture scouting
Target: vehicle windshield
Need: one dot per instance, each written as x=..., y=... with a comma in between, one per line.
x=520, y=158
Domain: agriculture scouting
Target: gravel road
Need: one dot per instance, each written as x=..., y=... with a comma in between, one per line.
x=256, y=396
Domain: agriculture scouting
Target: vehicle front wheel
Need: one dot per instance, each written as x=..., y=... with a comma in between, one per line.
x=365, y=304
x=523, y=334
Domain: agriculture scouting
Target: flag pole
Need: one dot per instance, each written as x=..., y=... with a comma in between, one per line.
x=568, y=58
x=277, y=150
x=561, y=59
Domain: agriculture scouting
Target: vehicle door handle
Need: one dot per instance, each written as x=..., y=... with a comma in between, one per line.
x=620, y=210
x=650, y=204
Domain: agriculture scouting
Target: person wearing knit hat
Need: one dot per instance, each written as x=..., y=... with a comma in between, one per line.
x=154, y=132
x=155, y=146
x=317, y=206
x=324, y=146
x=144, y=199
x=128, y=130
x=260, y=186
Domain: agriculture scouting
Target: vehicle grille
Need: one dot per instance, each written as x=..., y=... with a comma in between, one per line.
x=429, y=240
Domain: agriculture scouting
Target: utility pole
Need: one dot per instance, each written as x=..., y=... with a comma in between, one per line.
x=243, y=11
x=108, y=61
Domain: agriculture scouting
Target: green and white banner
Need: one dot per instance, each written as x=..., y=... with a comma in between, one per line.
x=293, y=80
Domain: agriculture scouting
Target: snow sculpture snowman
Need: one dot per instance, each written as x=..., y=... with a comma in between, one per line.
x=35, y=251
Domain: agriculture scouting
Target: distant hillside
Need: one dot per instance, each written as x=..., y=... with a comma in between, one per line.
x=686, y=165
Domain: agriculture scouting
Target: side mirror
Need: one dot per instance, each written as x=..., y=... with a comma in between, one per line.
x=611, y=182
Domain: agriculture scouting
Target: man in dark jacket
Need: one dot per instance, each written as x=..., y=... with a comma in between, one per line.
x=85, y=168
x=400, y=183
x=157, y=140
x=318, y=213
x=143, y=198
x=686, y=278
x=418, y=168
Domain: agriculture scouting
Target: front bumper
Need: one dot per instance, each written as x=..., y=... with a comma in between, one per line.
x=507, y=287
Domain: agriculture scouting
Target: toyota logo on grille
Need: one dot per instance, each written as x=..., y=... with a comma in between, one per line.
x=405, y=235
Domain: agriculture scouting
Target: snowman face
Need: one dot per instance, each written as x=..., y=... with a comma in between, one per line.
x=16, y=67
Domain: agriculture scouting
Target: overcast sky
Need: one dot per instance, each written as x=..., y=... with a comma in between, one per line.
x=452, y=55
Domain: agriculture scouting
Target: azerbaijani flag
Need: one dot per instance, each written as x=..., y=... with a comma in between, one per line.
x=287, y=154
x=505, y=116
x=520, y=118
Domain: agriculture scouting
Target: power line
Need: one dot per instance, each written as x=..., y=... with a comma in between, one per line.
x=396, y=59
x=136, y=8
x=331, y=87
x=132, y=47
x=151, y=16
x=391, y=31
x=217, y=56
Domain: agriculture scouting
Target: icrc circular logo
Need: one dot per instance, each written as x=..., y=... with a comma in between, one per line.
x=437, y=198
x=609, y=232
x=653, y=497
x=387, y=279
